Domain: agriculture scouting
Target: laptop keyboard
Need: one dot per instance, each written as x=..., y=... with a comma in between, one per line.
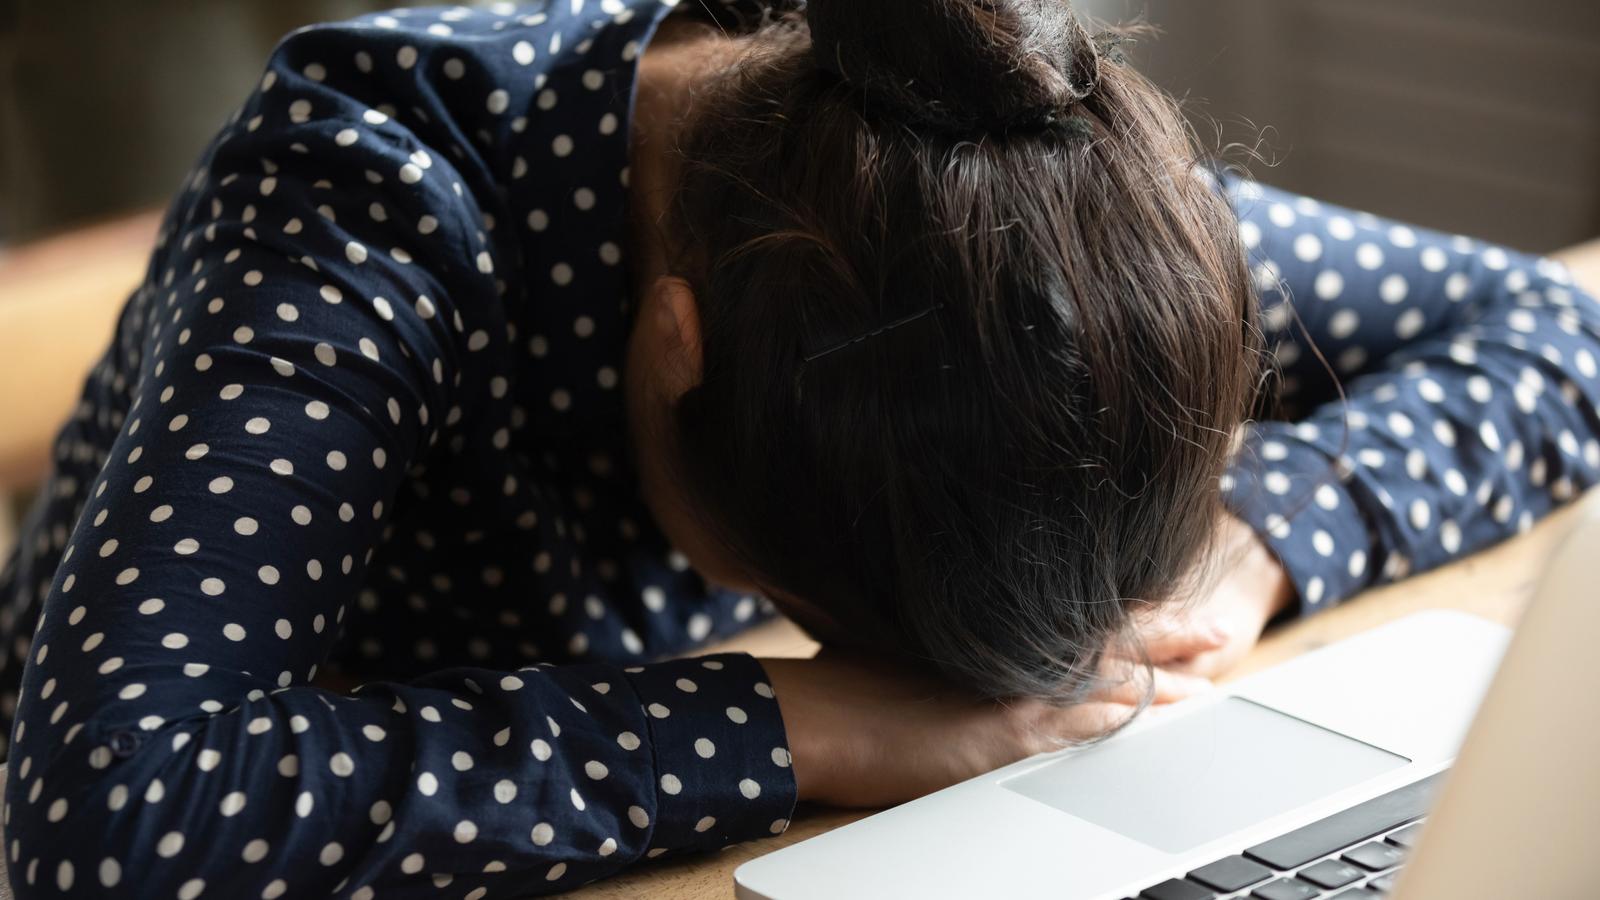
x=1352, y=855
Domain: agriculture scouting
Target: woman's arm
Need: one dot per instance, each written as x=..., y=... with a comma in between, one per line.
x=312, y=321
x=1471, y=394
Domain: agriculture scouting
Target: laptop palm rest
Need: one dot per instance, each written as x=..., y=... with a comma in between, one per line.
x=1339, y=725
x=1198, y=777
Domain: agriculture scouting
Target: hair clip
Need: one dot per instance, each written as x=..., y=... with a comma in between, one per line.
x=904, y=320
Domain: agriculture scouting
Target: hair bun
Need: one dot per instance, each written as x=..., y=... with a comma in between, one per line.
x=959, y=65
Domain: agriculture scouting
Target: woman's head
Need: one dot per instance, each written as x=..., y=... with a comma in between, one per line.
x=972, y=336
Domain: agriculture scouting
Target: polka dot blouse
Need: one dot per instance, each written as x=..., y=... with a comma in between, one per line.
x=1470, y=383
x=365, y=413
x=364, y=416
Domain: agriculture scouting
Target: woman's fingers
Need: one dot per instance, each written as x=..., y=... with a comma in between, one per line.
x=1169, y=636
x=1129, y=683
x=1177, y=646
x=1082, y=722
x=1204, y=665
x=1108, y=709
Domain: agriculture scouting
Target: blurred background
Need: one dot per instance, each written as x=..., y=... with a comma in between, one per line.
x=1473, y=116
x=1479, y=116
x=104, y=104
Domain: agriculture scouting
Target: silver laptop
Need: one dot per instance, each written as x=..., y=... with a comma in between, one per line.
x=1336, y=774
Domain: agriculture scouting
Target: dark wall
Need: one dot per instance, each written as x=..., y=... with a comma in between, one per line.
x=105, y=104
x=1475, y=116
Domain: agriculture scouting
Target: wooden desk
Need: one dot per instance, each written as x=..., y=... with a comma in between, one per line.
x=58, y=303
x=1495, y=584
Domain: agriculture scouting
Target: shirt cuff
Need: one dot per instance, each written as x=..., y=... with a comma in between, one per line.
x=721, y=755
x=1292, y=494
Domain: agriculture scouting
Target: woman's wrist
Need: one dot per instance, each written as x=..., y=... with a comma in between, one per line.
x=807, y=759
x=1252, y=563
x=1278, y=592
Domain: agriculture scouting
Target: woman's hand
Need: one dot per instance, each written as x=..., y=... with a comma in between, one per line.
x=1210, y=633
x=867, y=733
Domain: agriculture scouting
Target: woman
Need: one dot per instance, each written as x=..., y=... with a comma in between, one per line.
x=928, y=330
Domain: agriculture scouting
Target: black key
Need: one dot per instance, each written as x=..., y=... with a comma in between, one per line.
x=1231, y=874
x=1342, y=829
x=1286, y=889
x=1330, y=873
x=1384, y=883
x=1376, y=855
x=1357, y=894
x=1177, y=889
x=1406, y=837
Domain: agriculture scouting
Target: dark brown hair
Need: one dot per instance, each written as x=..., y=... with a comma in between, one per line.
x=976, y=334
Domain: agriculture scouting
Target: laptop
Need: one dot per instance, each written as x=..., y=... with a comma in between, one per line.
x=1386, y=765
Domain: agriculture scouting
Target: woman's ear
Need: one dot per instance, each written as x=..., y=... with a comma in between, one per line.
x=675, y=319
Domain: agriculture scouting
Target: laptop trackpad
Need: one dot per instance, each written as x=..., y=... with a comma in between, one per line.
x=1204, y=775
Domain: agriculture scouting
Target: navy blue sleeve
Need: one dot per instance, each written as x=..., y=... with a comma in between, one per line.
x=313, y=318
x=1470, y=393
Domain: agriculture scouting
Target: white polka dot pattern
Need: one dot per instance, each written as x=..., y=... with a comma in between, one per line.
x=1470, y=372
x=363, y=417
